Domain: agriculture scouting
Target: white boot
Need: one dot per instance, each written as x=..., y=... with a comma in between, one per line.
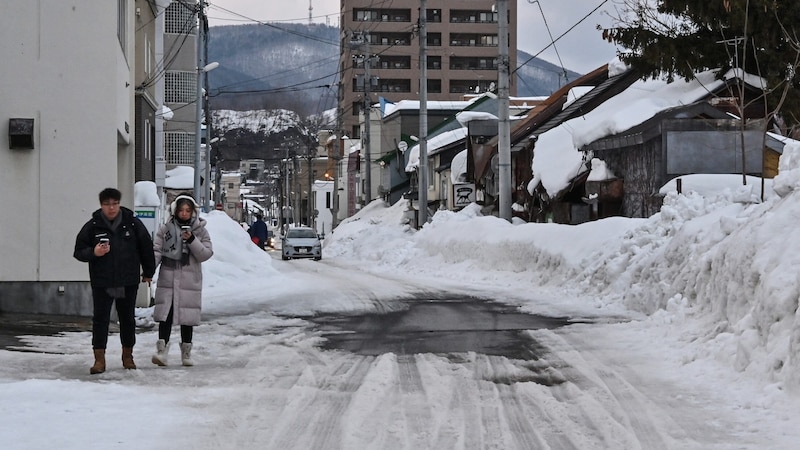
x=162, y=348
x=186, y=354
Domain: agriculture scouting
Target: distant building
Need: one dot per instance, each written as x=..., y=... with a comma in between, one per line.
x=180, y=74
x=231, y=197
x=461, y=58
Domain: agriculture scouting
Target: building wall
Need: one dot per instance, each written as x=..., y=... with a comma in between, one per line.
x=323, y=203
x=232, y=204
x=147, y=100
x=64, y=68
x=180, y=54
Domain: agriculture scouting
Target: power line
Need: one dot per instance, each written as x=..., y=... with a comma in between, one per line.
x=313, y=38
x=553, y=41
x=544, y=18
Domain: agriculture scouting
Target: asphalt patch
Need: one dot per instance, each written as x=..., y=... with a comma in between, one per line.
x=13, y=325
x=440, y=327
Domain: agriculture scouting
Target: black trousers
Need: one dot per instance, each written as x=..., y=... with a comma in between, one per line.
x=126, y=312
x=165, y=329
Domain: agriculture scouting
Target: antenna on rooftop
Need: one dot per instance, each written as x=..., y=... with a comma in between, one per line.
x=309, y=11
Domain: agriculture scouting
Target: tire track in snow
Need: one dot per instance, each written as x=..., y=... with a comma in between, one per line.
x=633, y=418
x=317, y=403
x=414, y=401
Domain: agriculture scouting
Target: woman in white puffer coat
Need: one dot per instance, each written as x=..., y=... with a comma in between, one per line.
x=180, y=246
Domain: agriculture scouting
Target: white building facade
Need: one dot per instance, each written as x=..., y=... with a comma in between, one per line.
x=67, y=116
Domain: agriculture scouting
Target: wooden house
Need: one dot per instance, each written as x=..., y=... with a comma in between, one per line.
x=555, y=110
x=696, y=138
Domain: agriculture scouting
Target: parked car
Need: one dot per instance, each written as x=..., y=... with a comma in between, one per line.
x=301, y=242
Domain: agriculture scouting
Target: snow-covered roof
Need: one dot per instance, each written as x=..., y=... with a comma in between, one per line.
x=434, y=143
x=556, y=157
x=414, y=105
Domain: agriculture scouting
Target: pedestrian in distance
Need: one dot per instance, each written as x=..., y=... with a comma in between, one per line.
x=116, y=244
x=259, y=231
x=180, y=246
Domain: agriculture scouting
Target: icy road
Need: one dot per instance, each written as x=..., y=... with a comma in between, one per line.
x=268, y=375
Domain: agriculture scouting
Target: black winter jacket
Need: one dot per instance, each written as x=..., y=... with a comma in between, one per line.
x=131, y=248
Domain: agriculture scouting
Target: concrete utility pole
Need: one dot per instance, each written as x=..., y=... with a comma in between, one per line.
x=422, y=168
x=503, y=127
x=287, y=192
x=367, y=117
x=298, y=193
x=361, y=41
x=310, y=206
x=337, y=155
x=199, y=106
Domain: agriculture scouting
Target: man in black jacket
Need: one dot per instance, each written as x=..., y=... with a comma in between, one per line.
x=116, y=244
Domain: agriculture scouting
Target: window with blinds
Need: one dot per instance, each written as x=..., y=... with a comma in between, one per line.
x=179, y=148
x=180, y=87
x=180, y=18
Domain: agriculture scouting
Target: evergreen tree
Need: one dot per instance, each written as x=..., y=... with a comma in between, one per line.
x=682, y=37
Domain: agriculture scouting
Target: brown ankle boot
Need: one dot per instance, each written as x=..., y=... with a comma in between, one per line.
x=99, y=361
x=127, y=358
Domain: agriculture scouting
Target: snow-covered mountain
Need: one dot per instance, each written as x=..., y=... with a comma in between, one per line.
x=274, y=66
x=270, y=121
x=293, y=66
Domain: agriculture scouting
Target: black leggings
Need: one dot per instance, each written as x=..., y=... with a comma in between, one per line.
x=165, y=328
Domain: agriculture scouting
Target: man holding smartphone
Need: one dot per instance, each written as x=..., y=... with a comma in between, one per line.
x=119, y=250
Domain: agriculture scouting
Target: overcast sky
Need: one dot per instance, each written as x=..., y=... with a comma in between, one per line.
x=581, y=50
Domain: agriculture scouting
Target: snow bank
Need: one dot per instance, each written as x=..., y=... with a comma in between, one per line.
x=715, y=254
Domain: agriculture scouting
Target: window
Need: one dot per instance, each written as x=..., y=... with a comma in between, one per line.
x=149, y=58
x=361, y=15
x=433, y=15
x=488, y=17
x=179, y=148
x=147, y=144
x=489, y=40
x=328, y=200
x=122, y=25
x=180, y=87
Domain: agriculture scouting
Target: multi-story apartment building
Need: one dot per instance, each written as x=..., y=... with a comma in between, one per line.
x=180, y=83
x=380, y=52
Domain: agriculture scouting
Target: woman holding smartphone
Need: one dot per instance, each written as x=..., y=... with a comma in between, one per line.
x=180, y=246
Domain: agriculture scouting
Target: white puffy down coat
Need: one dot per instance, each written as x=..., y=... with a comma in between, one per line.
x=182, y=286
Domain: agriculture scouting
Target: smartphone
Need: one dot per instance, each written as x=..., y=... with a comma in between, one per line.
x=185, y=228
x=104, y=240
